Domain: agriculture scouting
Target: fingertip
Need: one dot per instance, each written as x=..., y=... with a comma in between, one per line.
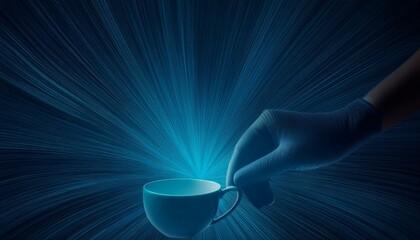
x=258, y=193
x=229, y=181
x=238, y=179
x=229, y=177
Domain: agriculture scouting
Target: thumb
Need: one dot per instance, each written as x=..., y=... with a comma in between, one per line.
x=259, y=194
x=262, y=169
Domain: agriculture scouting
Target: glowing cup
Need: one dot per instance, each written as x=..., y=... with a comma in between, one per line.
x=181, y=208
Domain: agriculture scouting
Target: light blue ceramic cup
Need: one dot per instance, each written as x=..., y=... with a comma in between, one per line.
x=181, y=208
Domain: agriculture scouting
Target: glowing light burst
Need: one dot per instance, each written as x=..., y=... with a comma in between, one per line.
x=100, y=97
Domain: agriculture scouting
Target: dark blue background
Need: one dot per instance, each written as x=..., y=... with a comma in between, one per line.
x=99, y=97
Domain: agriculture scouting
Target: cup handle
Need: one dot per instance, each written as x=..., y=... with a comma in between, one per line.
x=238, y=198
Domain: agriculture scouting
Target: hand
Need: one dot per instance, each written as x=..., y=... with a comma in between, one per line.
x=281, y=141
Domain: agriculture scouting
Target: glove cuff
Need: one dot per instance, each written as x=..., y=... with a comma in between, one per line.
x=363, y=120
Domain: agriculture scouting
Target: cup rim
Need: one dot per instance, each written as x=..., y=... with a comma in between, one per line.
x=172, y=195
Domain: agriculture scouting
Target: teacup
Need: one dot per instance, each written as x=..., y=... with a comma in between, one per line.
x=181, y=208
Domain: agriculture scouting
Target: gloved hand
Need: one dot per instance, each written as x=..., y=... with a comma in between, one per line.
x=281, y=141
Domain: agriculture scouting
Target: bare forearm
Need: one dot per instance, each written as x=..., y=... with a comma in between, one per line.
x=398, y=95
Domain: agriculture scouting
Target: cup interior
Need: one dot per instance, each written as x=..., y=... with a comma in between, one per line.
x=181, y=187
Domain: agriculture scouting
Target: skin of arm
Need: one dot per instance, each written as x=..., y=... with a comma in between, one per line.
x=398, y=95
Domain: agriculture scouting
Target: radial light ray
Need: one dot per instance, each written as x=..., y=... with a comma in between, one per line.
x=99, y=97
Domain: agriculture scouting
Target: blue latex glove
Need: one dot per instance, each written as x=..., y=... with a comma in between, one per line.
x=281, y=141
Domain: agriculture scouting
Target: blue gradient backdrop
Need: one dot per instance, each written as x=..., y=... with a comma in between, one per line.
x=99, y=97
